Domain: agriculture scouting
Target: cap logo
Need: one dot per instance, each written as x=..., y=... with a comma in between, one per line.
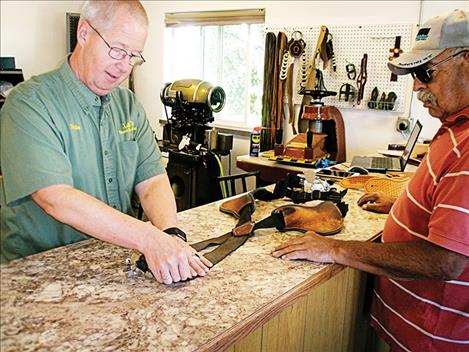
x=423, y=34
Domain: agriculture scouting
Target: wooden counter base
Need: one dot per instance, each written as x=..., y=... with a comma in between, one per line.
x=328, y=316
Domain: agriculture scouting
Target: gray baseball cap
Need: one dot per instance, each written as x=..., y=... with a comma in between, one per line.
x=450, y=30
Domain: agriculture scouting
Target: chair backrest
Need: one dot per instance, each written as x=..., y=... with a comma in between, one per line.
x=228, y=183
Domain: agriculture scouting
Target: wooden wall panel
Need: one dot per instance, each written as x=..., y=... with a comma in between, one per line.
x=251, y=343
x=325, y=315
x=269, y=334
x=291, y=326
x=329, y=318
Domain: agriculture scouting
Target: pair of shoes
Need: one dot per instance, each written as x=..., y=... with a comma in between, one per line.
x=372, y=104
x=384, y=102
x=390, y=101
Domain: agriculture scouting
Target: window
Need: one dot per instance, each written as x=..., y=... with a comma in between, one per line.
x=225, y=49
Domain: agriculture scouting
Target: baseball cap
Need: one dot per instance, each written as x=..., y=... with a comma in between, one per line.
x=450, y=30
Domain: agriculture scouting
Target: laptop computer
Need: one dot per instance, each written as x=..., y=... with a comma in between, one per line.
x=383, y=164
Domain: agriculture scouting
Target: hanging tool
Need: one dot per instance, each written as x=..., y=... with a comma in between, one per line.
x=396, y=51
x=361, y=80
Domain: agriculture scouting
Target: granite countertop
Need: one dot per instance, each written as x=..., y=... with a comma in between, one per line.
x=79, y=298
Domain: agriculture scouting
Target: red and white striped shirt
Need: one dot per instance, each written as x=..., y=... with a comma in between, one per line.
x=430, y=315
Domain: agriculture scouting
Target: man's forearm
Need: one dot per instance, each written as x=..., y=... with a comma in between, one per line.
x=93, y=217
x=406, y=260
x=157, y=199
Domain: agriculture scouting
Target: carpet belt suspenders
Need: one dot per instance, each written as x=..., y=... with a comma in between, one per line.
x=325, y=219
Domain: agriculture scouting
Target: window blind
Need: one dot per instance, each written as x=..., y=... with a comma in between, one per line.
x=214, y=18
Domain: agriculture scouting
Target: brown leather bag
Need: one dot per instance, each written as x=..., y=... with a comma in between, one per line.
x=324, y=218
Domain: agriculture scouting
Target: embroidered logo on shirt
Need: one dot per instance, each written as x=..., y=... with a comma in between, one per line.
x=75, y=127
x=128, y=127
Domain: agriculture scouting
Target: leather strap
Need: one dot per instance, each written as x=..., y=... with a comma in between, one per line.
x=361, y=80
x=325, y=219
x=243, y=230
x=235, y=205
x=291, y=106
x=228, y=242
x=311, y=82
x=282, y=38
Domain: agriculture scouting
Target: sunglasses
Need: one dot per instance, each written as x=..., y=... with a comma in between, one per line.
x=424, y=74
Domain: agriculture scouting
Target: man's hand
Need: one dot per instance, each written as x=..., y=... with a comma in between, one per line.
x=309, y=246
x=172, y=260
x=376, y=202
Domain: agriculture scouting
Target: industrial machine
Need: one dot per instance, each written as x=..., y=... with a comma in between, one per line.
x=322, y=133
x=10, y=76
x=326, y=120
x=192, y=103
x=194, y=147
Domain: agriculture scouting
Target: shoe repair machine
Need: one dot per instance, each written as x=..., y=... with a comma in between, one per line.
x=194, y=147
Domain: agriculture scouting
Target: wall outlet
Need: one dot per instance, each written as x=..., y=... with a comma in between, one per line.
x=403, y=124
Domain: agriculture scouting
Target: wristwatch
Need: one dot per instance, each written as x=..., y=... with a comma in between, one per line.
x=175, y=231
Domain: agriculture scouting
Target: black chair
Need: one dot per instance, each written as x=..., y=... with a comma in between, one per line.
x=228, y=183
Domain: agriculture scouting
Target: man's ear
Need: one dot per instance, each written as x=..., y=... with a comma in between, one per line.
x=83, y=32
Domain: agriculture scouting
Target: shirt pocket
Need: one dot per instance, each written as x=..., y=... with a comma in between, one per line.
x=128, y=161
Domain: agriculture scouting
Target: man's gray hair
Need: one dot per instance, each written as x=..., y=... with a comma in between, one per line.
x=100, y=12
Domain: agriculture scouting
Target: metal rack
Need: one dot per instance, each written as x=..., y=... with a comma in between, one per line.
x=350, y=43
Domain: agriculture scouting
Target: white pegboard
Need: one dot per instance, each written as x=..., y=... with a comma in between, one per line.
x=350, y=43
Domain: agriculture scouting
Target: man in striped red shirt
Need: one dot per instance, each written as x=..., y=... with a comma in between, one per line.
x=421, y=300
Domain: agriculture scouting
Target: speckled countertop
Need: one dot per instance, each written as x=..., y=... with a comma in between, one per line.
x=78, y=297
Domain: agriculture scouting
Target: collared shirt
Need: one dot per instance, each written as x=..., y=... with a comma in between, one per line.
x=431, y=315
x=54, y=130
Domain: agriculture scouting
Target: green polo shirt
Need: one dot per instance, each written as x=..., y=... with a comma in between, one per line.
x=54, y=130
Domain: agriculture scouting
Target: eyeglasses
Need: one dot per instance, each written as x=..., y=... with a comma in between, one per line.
x=120, y=54
x=424, y=74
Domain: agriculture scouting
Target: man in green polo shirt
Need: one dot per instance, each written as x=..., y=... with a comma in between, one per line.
x=75, y=146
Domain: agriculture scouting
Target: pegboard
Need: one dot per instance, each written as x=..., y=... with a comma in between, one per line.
x=350, y=43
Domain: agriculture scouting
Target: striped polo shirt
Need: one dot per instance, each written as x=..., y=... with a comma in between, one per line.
x=430, y=315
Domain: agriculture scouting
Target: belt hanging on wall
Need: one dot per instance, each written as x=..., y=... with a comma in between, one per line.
x=277, y=125
x=361, y=80
x=295, y=49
